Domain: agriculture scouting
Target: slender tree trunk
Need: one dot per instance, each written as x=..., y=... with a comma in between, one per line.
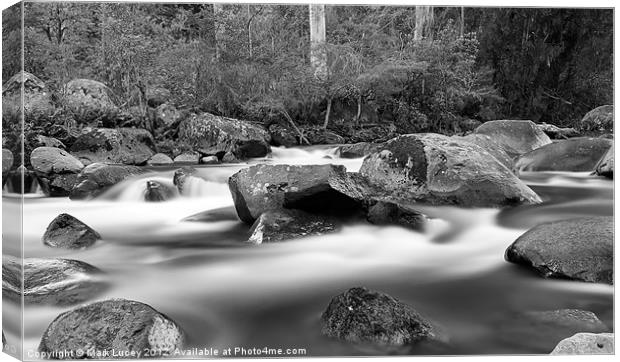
x=358, y=116
x=327, y=112
x=462, y=21
x=219, y=29
x=423, y=22
x=318, y=56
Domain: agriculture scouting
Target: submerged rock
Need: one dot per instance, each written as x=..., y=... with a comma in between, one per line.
x=382, y=212
x=275, y=226
x=605, y=166
x=439, y=170
x=159, y=159
x=575, y=155
x=156, y=191
x=112, y=325
x=96, y=178
x=65, y=231
x=514, y=136
x=213, y=135
x=51, y=281
x=599, y=119
x=362, y=316
x=586, y=343
x=180, y=178
x=580, y=249
x=129, y=146
x=56, y=170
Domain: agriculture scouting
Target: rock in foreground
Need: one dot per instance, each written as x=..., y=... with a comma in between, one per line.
x=439, y=170
x=115, y=325
x=575, y=155
x=362, y=316
x=605, y=166
x=51, y=281
x=580, y=249
x=96, y=178
x=65, y=231
x=586, y=343
x=276, y=226
x=515, y=136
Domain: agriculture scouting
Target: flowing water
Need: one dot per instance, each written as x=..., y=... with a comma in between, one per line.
x=226, y=293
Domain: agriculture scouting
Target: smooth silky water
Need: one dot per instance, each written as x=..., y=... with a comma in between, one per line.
x=226, y=293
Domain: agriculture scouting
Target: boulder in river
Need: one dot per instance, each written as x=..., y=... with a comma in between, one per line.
x=362, y=316
x=599, y=119
x=321, y=189
x=56, y=170
x=96, y=178
x=214, y=135
x=574, y=155
x=130, y=146
x=181, y=177
x=358, y=150
x=282, y=136
x=209, y=160
x=579, y=249
x=275, y=226
x=159, y=159
x=187, y=158
x=586, y=343
x=440, y=170
x=90, y=101
x=67, y=232
x=489, y=145
x=383, y=212
x=605, y=166
x=7, y=163
x=516, y=137
x=114, y=325
x=51, y=281
x=157, y=191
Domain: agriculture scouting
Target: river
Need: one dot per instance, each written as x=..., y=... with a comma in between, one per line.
x=226, y=293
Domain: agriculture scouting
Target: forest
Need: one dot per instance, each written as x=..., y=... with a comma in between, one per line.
x=381, y=71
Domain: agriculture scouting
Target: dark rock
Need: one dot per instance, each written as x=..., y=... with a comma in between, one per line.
x=362, y=316
x=358, y=150
x=600, y=119
x=65, y=231
x=56, y=170
x=395, y=213
x=22, y=181
x=210, y=160
x=515, y=137
x=90, y=101
x=320, y=189
x=51, y=281
x=276, y=226
x=605, y=166
x=157, y=96
x=167, y=115
x=187, y=158
x=211, y=135
x=439, y=170
x=96, y=178
x=555, y=132
x=469, y=124
x=128, y=146
x=575, y=154
x=319, y=136
x=282, y=136
x=180, y=178
x=586, y=343
x=580, y=249
x=156, y=191
x=159, y=159
x=112, y=325
x=492, y=147
x=7, y=163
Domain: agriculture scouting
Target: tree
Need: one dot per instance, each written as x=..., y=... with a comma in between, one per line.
x=318, y=55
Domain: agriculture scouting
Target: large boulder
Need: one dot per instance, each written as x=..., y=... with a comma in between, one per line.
x=56, y=170
x=187, y=158
x=586, y=343
x=490, y=146
x=276, y=226
x=320, y=136
x=314, y=188
x=105, y=329
x=67, y=232
x=516, y=137
x=575, y=154
x=37, y=99
x=600, y=119
x=605, y=166
x=159, y=159
x=358, y=150
x=282, y=136
x=362, y=316
x=580, y=249
x=128, y=146
x=50, y=281
x=96, y=178
x=7, y=163
x=439, y=170
x=213, y=135
x=90, y=101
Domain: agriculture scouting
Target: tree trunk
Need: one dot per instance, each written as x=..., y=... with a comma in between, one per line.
x=358, y=116
x=462, y=21
x=423, y=22
x=318, y=55
x=327, y=112
x=219, y=29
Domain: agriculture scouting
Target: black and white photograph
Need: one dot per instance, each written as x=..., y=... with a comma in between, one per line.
x=294, y=180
